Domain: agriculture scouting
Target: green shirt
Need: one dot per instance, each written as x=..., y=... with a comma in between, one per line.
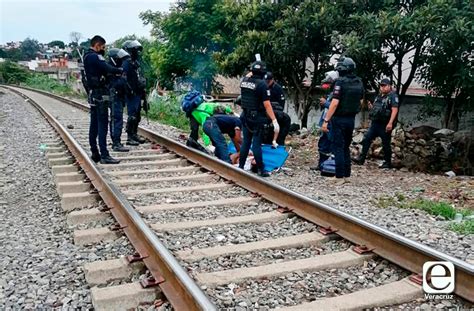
x=204, y=111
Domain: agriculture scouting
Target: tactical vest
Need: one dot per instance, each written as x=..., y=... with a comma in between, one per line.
x=248, y=90
x=382, y=109
x=92, y=82
x=352, y=92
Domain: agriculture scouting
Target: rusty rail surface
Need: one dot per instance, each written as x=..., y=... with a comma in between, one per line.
x=404, y=252
x=180, y=290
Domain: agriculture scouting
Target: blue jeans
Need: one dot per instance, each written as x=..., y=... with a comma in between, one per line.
x=116, y=119
x=253, y=132
x=212, y=130
x=324, y=147
x=377, y=129
x=99, y=118
x=133, y=106
x=341, y=132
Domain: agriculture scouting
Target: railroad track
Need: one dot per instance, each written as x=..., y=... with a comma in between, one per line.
x=215, y=237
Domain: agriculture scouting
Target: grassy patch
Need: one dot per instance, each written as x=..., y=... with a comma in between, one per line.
x=167, y=110
x=463, y=227
x=43, y=82
x=439, y=208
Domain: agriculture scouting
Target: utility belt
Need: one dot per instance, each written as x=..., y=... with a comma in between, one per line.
x=255, y=115
x=99, y=97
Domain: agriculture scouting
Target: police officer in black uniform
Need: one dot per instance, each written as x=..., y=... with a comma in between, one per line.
x=256, y=106
x=119, y=90
x=277, y=99
x=96, y=71
x=131, y=67
x=345, y=104
x=383, y=115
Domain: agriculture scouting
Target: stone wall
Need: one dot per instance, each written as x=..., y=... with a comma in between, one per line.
x=425, y=149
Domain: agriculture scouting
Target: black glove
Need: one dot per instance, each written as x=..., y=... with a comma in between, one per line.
x=146, y=105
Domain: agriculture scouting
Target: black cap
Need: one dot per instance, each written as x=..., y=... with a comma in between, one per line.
x=385, y=81
x=269, y=76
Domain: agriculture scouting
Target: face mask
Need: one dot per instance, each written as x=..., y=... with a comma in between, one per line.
x=102, y=52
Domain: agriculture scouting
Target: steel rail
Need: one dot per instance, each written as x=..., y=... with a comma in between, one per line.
x=404, y=252
x=181, y=291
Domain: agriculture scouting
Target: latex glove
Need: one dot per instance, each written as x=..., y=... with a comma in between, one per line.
x=274, y=144
x=276, y=126
x=211, y=148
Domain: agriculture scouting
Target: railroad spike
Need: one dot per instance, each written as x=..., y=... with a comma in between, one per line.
x=327, y=230
x=135, y=258
x=117, y=227
x=151, y=281
x=416, y=278
x=362, y=249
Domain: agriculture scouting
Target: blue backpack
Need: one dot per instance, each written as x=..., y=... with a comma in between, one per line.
x=328, y=167
x=191, y=101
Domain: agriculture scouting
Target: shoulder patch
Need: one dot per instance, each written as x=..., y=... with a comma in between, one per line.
x=337, y=90
x=268, y=93
x=101, y=57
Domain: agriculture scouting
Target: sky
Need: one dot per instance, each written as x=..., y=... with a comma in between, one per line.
x=51, y=20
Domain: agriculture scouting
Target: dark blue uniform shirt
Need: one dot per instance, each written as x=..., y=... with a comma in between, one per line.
x=227, y=124
x=96, y=69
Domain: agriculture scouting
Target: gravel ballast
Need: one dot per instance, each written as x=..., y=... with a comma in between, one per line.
x=203, y=237
x=368, y=186
x=41, y=267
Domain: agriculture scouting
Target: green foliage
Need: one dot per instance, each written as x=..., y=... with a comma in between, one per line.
x=464, y=227
x=449, y=62
x=167, y=110
x=435, y=208
x=12, y=73
x=57, y=43
x=29, y=47
x=43, y=82
x=199, y=39
x=190, y=35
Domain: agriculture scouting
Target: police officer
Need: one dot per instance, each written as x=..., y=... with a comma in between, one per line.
x=345, y=104
x=137, y=85
x=118, y=87
x=256, y=106
x=96, y=71
x=383, y=115
x=277, y=99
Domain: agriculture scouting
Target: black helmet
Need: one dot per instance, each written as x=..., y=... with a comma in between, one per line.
x=345, y=65
x=258, y=68
x=117, y=56
x=130, y=45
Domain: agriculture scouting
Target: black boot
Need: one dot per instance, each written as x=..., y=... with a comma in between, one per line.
x=119, y=147
x=359, y=160
x=130, y=137
x=136, y=137
x=95, y=157
x=386, y=165
x=109, y=160
x=263, y=173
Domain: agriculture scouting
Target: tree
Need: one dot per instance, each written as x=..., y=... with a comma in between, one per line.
x=29, y=47
x=448, y=64
x=12, y=73
x=387, y=35
x=60, y=44
x=294, y=39
x=75, y=36
x=190, y=34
